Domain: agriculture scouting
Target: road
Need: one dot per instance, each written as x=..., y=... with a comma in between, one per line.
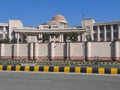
x=57, y=81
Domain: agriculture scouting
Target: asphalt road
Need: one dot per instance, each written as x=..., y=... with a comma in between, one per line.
x=57, y=81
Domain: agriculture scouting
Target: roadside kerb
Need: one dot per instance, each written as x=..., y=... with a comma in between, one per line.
x=65, y=69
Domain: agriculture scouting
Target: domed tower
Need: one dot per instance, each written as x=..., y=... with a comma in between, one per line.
x=60, y=19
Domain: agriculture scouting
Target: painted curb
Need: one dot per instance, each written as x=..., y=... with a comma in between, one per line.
x=66, y=69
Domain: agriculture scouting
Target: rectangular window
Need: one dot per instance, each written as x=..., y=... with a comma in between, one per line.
x=115, y=35
x=1, y=27
x=101, y=36
x=95, y=28
x=101, y=28
x=115, y=27
x=95, y=36
x=108, y=36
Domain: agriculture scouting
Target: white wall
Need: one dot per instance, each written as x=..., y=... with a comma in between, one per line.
x=42, y=51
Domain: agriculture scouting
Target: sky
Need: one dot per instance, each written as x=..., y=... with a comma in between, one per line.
x=36, y=12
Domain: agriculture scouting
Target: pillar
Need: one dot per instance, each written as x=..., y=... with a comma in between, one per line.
x=40, y=36
x=117, y=54
x=88, y=50
x=36, y=51
x=18, y=36
x=31, y=51
x=105, y=37
x=98, y=33
x=62, y=38
x=111, y=32
x=79, y=39
x=68, y=50
x=2, y=50
x=53, y=45
x=4, y=32
x=16, y=51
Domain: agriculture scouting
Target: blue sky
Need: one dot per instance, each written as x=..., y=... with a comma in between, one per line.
x=35, y=12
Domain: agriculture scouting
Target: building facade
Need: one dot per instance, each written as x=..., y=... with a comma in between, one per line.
x=55, y=40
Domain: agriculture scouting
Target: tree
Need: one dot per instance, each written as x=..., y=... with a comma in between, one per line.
x=73, y=36
x=45, y=37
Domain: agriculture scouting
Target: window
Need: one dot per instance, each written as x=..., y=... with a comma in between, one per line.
x=108, y=36
x=115, y=27
x=45, y=27
x=115, y=35
x=54, y=26
x=101, y=28
x=95, y=36
x=108, y=27
x=1, y=27
x=95, y=28
x=101, y=36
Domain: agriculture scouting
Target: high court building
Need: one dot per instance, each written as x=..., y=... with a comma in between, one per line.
x=55, y=40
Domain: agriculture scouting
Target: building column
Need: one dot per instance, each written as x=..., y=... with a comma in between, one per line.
x=4, y=32
x=105, y=37
x=112, y=33
x=98, y=33
x=18, y=36
x=117, y=50
x=83, y=36
x=40, y=36
x=79, y=37
x=118, y=31
x=62, y=37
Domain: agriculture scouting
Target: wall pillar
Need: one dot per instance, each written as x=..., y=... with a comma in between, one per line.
x=117, y=54
x=105, y=37
x=88, y=50
x=31, y=51
x=53, y=45
x=36, y=51
x=111, y=32
x=68, y=50
x=2, y=50
x=16, y=51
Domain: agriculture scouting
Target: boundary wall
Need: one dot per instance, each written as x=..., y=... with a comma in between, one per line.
x=62, y=51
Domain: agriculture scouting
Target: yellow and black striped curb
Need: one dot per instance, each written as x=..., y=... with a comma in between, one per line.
x=66, y=69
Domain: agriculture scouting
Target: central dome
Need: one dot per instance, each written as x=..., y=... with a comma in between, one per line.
x=59, y=18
